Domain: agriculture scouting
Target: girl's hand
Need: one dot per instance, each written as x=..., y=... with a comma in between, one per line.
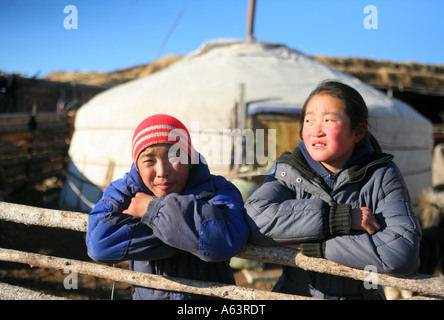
x=294, y=246
x=364, y=219
x=139, y=205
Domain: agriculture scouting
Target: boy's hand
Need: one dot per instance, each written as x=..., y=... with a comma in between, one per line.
x=138, y=205
x=364, y=219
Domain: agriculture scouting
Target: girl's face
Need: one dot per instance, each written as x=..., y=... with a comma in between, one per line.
x=327, y=131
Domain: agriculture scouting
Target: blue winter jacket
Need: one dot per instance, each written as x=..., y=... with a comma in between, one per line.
x=189, y=235
x=298, y=204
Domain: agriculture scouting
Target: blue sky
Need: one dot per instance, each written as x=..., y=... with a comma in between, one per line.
x=113, y=35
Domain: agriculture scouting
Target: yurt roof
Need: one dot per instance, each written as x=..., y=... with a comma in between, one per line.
x=205, y=84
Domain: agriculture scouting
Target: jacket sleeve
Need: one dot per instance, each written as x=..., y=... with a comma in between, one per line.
x=276, y=217
x=209, y=225
x=114, y=236
x=395, y=248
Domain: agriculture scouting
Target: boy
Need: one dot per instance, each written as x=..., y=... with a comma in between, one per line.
x=168, y=215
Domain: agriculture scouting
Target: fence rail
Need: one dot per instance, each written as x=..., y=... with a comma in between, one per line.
x=143, y=279
x=32, y=148
x=426, y=285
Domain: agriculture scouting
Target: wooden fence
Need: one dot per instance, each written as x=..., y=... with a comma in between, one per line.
x=32, y=148
x=427, y=287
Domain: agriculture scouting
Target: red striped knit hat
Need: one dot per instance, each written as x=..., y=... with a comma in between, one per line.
x=161, y=128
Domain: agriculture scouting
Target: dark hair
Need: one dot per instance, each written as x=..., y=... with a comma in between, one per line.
x=355, y=107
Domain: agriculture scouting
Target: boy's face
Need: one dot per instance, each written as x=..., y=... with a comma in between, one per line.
x=327, y=132
x=160, y=172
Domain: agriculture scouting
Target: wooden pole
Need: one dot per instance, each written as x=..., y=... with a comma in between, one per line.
x=212, y=289
x=250, y=20
x=10, y=292
x=420, y=283
x=43, y=217
x=277, y=255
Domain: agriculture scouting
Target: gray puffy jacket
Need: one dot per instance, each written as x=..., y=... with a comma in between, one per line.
x=294, y=205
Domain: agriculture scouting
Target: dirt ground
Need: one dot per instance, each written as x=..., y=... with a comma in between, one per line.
x=65, y=244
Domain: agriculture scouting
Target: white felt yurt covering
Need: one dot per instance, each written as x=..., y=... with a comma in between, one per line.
x=201, y=90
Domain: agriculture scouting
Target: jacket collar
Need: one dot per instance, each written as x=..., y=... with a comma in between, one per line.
x=358, y=152
x=357, y=167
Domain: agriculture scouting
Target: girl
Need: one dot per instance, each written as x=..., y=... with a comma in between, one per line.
x=336, y=196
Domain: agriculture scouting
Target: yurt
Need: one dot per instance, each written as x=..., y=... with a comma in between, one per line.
x=230, y=93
